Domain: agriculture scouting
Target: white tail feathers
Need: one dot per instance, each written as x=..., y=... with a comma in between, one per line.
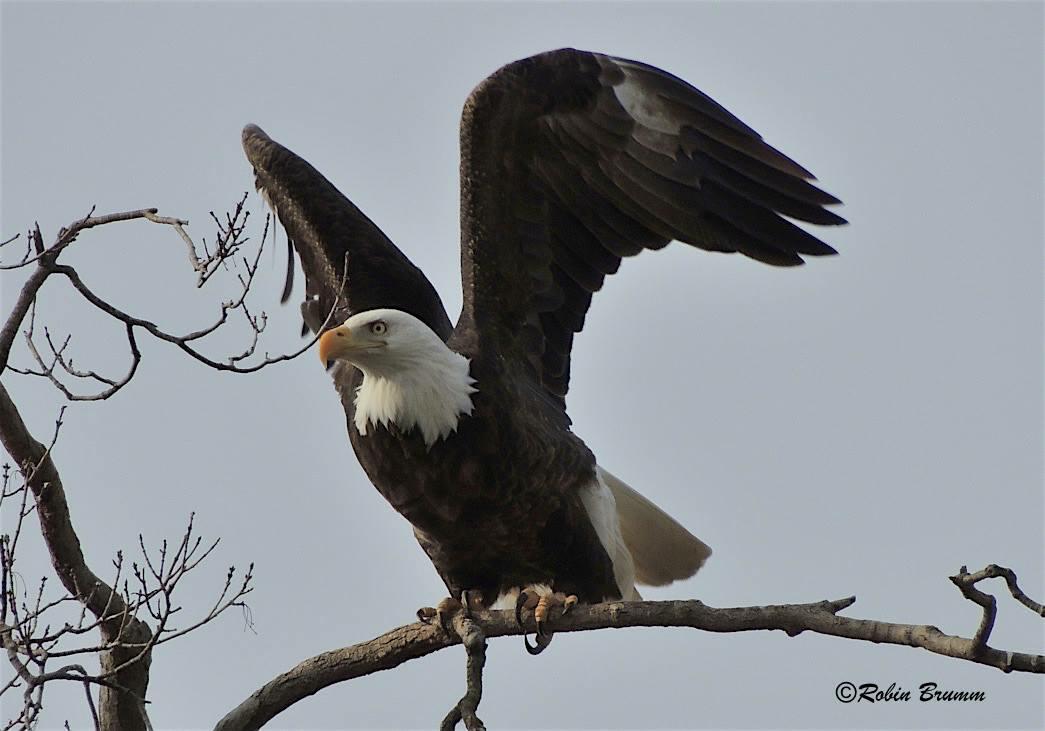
x=662, y=550
x=602, y=511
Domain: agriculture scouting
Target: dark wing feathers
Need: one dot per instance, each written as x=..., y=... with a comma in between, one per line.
x=288, y=281
x=724, y=158
x=671, y=89
x=326, y=230
x=571, y=161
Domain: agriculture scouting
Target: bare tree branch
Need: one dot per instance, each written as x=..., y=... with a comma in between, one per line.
x=25, y=260
x=21, y=308
x=417, y=640
x=126, y=644
x=964, y=578
x=58, y=359
x=986, y=601
x=101, y=600
x=45, y=260
x=228, y=243
x=182, y=341
x=126, y=641
x=229, y=240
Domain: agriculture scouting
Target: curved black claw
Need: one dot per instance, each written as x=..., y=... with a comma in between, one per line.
x=541, y=615
x=542, y=643
x=527, y=600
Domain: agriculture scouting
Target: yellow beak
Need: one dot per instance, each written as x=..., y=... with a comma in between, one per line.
x=334, y=343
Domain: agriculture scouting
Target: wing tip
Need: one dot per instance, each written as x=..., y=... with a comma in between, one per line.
x=255, y=142
x=251, y=130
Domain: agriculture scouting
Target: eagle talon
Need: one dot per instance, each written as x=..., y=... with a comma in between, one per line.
x=541, y=604
x=568, y=603
x=443, y=611
x=446, y=609
x=471, y=601
x=529, y=599
x=549, y=601
x=526, y=600
x=538, y=647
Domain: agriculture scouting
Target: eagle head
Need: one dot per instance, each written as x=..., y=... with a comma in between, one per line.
x=381, y=341
x=410, y=377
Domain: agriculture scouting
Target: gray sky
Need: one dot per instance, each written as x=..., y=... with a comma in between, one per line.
x=862, y=425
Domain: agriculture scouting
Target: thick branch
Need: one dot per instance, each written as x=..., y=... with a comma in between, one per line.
x=474, y=642
x=21, y=308
x=125, y=708
x=417, y=640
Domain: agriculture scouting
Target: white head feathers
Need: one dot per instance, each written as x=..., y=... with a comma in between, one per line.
x=410, y=377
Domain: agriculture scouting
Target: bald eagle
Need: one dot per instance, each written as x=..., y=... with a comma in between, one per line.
x=570, y=161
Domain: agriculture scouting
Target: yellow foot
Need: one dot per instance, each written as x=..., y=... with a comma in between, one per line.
x=444, y=611
x=543, y=601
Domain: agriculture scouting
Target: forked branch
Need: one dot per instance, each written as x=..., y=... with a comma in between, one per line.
x=417, y=640
x=114, y=612
x=224, y=254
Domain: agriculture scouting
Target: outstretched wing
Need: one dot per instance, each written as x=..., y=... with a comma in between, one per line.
x=572, y=160
x=327, y=230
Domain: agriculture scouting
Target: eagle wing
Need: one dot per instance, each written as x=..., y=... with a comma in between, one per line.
x=329, y=233
x=572, y=160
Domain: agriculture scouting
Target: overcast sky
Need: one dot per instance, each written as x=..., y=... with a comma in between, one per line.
x=861, y=425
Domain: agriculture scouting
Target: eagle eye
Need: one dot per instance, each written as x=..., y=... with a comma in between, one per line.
x=378, y=327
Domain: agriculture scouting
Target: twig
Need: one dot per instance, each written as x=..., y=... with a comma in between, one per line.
x=182, y=341
x=47, y=257
x=994, y=571
x=230, y=239
x=57, y=359
x=25, y=260
x=90, y=705
x=228, y=242
x=33, y=242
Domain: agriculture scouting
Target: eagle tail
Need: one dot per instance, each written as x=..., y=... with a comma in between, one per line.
x=661, y=549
